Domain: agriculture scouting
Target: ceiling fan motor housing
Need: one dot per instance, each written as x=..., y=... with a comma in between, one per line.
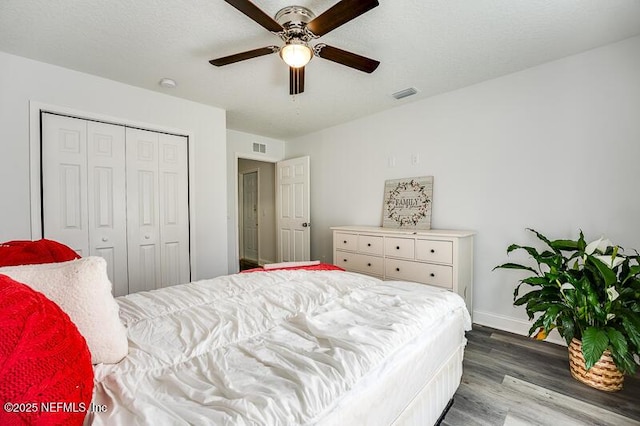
x=294, y=20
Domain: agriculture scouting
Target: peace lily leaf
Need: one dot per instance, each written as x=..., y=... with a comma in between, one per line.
x=594, y=343
x=564, y=245
x=516, y=266
x=542, y=237
x=617, y=340
x=607, y=273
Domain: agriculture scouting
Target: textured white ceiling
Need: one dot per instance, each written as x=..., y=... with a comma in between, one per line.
x=433, y=45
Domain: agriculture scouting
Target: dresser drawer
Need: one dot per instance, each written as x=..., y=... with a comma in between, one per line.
x=439, y=275
x=343, y=241
x=434, y=251
x=399, y=247
x=370, y=244
x=366, y=264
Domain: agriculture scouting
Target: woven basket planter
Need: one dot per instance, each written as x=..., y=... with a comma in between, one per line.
x=604, y=375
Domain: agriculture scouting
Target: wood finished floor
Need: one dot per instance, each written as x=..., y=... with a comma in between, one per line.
x=512, y=380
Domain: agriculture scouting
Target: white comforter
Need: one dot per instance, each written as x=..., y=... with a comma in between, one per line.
x=265, y=348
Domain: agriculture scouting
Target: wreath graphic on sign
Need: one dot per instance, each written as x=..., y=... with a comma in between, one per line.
x=416, y=203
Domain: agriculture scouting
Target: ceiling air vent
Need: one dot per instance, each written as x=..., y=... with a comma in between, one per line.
x=404, y=93
x=259, y=147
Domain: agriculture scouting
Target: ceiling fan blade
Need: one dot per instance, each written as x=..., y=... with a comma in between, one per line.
x=346, y=58
x=253, y=12
x=296, y=80
x=226, y=60
x=339, y=14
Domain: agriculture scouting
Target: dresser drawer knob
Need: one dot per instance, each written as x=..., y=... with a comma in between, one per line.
x=368, y=244
x=397, y=247
x=345, y=241
x=432, y=274
x=397, y=269
x=433, y=251
x=344, y=260
x=368, y=264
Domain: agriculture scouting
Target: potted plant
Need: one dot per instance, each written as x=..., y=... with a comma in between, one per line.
x=590, y=293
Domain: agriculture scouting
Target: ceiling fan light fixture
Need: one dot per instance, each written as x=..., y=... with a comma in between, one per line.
x=296, y=54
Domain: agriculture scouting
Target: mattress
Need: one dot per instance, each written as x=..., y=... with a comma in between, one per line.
x=278, y=348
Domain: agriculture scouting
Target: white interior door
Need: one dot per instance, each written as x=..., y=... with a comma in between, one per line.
x=250, y=216
x=293, y=236
x=174, y=209
x=107, y=200
x=64, y=181
x=83, y=190
x=143, y=216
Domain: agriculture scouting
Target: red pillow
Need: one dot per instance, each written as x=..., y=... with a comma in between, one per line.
x=43, y=360
x=14, y=253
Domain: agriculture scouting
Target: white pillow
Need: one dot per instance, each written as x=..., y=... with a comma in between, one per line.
x=82, y=289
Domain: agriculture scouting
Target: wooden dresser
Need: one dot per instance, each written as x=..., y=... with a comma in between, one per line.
x=437, y=257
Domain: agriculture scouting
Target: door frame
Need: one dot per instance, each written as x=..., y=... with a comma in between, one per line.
x=244, y=156
x=241, y=211
x=35, y=187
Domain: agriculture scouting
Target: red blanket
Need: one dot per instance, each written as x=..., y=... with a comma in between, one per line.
x=14, y=253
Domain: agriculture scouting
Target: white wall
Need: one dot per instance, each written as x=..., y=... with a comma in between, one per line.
x=555, y=148
x=240, y=145
x=23, y=80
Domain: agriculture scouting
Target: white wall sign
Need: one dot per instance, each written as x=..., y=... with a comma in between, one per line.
x=407, y=203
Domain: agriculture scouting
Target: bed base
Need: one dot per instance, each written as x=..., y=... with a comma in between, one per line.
x=431, y=404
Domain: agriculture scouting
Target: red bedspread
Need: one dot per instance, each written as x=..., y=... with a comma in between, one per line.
x=319, y=267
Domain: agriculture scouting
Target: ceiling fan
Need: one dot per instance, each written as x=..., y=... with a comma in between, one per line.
x=297, y=26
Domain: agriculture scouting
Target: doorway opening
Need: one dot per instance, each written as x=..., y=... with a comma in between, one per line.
x=256, y=213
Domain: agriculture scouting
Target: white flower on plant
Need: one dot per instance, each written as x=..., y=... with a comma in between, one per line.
x=600, y=245
x=612, y=293
x=611, y=261
x=567, y=286
x=610, y=317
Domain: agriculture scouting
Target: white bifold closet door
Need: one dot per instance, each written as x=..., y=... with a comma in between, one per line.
x=119, y=193
x=157, y=209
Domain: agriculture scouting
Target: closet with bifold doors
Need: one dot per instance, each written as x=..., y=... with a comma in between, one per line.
x=120, y=193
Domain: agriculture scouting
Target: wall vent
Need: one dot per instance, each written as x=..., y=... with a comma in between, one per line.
x=260, y=147
x=404, y=93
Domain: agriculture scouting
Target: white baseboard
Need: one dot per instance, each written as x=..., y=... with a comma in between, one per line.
x=512, y=325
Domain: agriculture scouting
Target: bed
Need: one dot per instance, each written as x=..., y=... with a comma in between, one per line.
x=285, y=347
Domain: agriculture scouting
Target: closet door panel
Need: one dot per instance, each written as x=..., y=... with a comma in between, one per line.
x=142, y=209
x=174, y=209
x=64, y=181
x=107, y=200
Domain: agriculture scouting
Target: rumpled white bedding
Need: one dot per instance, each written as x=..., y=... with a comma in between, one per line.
x=264, y=348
